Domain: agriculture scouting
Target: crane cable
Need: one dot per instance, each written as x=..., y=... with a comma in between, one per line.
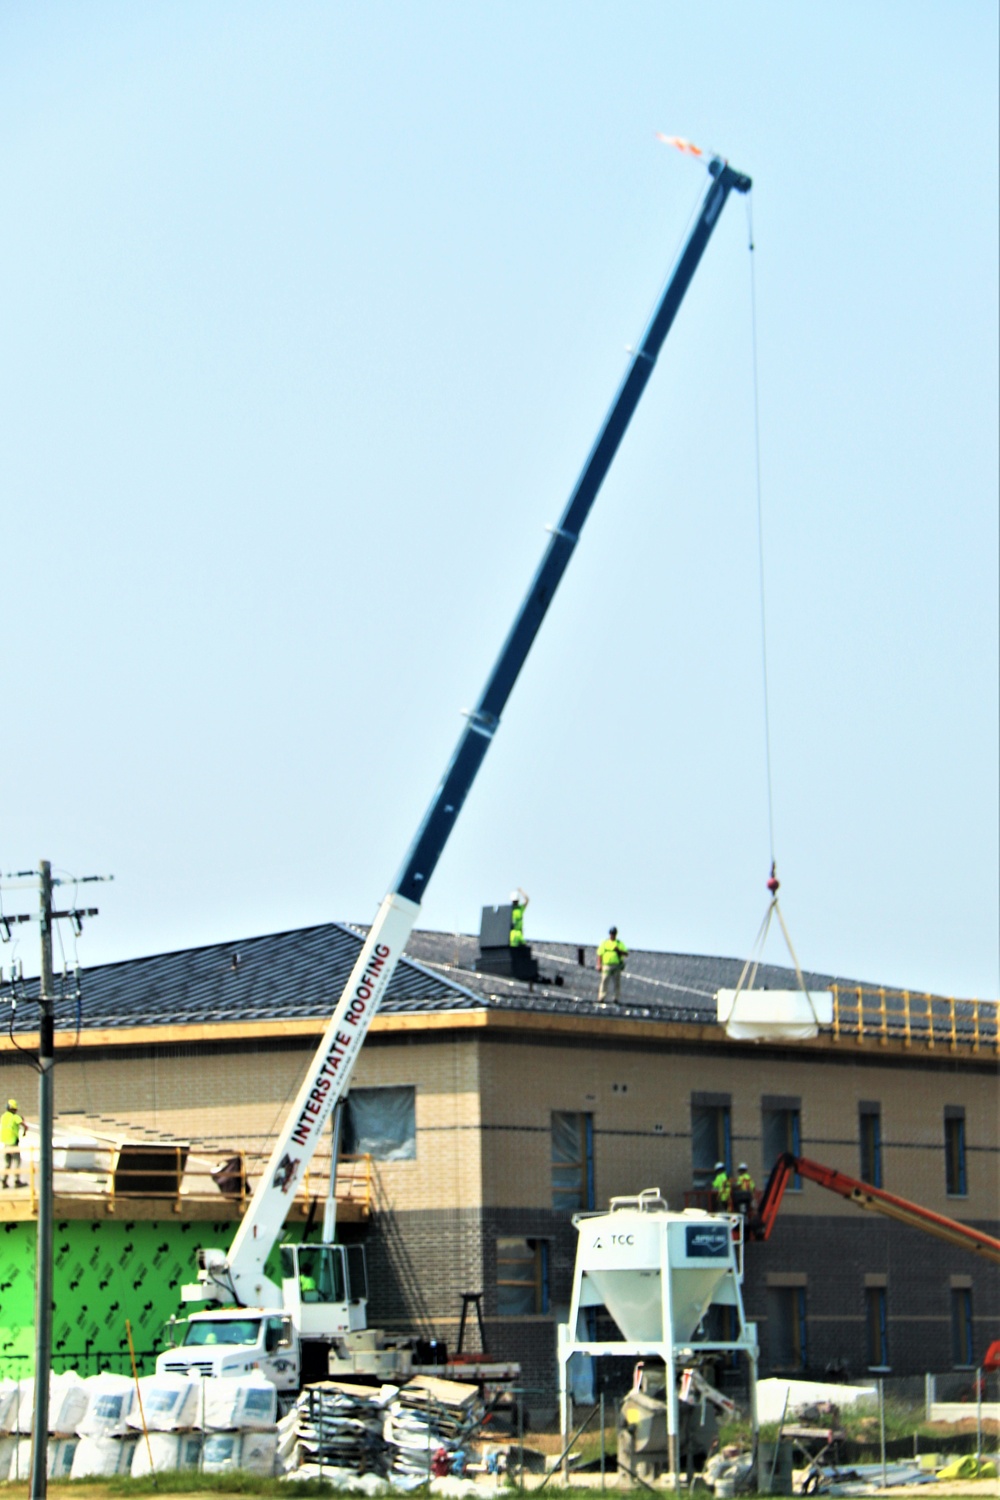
x=749, y=973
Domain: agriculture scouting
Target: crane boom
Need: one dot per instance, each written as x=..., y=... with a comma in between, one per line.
x=864, y=1195
x=241, y=1273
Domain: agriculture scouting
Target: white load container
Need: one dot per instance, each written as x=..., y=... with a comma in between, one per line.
x=99, y=1456
x=109, y=1401
x=169, y=1403
x=169, y=1451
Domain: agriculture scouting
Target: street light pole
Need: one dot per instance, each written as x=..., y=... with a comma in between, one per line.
x=43, y=1263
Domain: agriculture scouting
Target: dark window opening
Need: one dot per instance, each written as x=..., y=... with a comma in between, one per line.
x=782, y=1132
x=786, y=1327
x=572, y=1161
x=381, y=1123
x=954, y=1155
x=877, y=1327
x=711, y=1141
x=522, y=1277
x=870, y=1135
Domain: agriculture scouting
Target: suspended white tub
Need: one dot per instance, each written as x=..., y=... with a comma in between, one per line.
x=773, y=1015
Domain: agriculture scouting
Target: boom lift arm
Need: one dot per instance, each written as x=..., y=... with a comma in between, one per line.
x=240, y=1275
x=865, y=1196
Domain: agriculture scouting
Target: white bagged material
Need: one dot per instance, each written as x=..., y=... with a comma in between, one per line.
x=169, y=1403
x=259, y=1452
x=109, y=1401
x=220, y=1452
x=60, y=1456
x=169, y=1451
x=8, y=1450
x=15, y=1458
x=9, y=1396
x=99, y=1456
x=67, y=1404
x=233, y=1402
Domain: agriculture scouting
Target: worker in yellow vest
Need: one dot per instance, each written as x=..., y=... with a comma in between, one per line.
x=12, y=1127
x=722, y=1188
x=518, y=902
x=611, y=956
x=744, y=1190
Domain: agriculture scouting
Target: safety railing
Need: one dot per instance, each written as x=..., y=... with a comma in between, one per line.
x=878, y=1016
x=176, y=1176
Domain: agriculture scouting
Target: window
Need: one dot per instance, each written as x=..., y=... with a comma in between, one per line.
x=961, y=1325
x=522, y=1277
x=786, y=1327
x=870, y=1137
x=572, y=1161
x=782, y=1131
x=711, y=1137
x=877, y=1327
x=381, y=1123
x=954, y=1151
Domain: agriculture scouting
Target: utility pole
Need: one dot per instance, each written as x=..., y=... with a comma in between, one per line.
x=43, y=1261
x=46, y=1118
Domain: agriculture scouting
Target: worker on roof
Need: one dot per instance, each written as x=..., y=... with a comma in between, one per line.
x=722, y=1188
x=611, y=956
x=12, y=1127
x=518, y=901
x=744, y=1190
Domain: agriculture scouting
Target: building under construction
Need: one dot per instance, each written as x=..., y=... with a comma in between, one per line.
x=485, y=1110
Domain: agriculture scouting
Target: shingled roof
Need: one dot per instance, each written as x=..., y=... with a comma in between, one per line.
x=301, y=973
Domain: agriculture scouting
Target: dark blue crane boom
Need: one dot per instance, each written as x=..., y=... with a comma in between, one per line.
x=241, y=1273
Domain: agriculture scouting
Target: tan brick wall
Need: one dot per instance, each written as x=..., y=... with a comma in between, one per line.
x=639, y=1097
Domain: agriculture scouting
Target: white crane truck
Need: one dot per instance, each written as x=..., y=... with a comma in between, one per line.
x=290, y=1331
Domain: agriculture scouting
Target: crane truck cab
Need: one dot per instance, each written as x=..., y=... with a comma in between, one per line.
x=324, y=1295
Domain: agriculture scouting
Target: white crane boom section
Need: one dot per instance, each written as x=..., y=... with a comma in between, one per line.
x=325, y=1083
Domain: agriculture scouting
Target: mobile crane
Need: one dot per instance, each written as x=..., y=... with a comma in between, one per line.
x=761, y=1223
x=287, y=1331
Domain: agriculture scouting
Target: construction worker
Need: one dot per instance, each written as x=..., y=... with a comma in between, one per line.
x=518, y=901
x=12, y=1127
x=722, y=1188
x=611, y=956
x=744, y=1190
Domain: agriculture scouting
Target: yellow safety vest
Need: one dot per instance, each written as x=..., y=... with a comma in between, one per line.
x=10, y=1128
x=612, y=953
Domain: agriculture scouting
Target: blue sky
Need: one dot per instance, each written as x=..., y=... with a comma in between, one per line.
x=310, y=315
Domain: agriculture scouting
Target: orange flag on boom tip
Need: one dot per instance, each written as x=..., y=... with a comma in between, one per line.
x=680, y=144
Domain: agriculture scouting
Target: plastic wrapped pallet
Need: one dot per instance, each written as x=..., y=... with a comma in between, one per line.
x=169, y=1403
x=109, y=1401
x=100, y=1456
x=67, y=1404
x=166, y=1453
x=232, y=1403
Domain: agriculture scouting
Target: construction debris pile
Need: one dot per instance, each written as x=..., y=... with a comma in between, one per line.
x=406, y=1435
x=109, y=1424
